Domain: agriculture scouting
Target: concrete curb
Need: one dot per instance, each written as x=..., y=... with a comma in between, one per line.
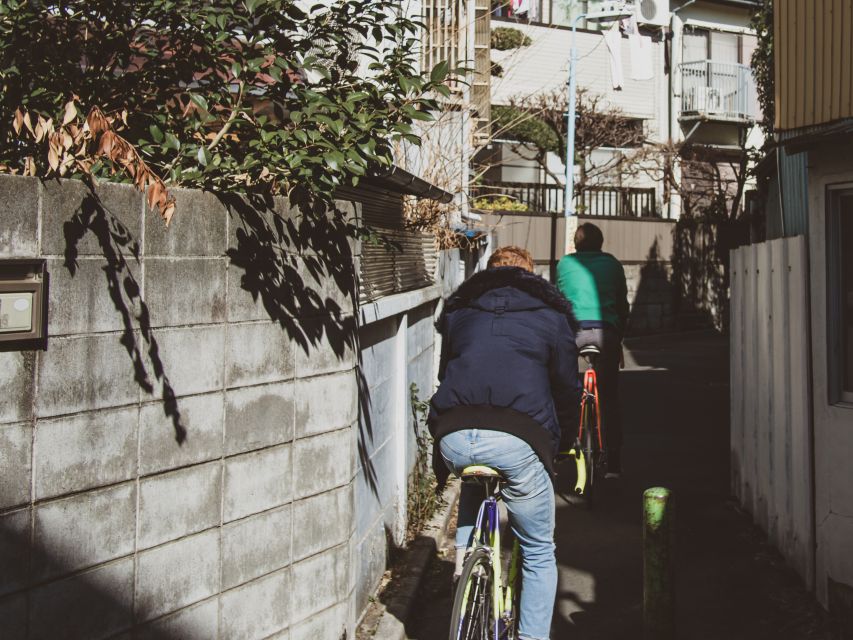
x=392, y=624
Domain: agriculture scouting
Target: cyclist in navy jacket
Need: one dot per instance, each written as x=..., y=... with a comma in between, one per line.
x=509, y=387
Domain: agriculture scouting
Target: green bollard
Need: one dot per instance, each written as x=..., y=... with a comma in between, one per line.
x=658, y=582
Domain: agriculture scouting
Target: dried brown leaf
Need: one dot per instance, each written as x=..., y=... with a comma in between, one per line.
x=18, y=121
x=70, y=112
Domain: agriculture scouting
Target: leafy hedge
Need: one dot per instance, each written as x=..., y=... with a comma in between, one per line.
x=506, y=38
x=250, y=96
x=522, y=126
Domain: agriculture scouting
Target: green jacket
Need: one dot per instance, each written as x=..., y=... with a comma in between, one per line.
x=594, y=282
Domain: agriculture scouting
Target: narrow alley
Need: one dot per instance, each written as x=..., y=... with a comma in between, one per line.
x=729, y=582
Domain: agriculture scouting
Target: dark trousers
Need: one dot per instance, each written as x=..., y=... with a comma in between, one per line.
x=607, y=373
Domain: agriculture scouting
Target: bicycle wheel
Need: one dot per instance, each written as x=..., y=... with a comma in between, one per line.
x=472, y=617
x=589, y=455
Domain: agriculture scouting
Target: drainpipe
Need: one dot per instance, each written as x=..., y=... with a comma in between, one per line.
x=672, y=68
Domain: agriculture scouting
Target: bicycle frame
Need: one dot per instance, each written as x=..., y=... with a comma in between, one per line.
x=487, y=534
x=590, y=396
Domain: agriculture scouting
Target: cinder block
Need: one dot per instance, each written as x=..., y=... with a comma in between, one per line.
x=322, y=522
x=14, y=551
x=330, y=346
x=331, y=623
x=82, y=302
x=258, y=353
x=370, y=564
x=15, y=465
x=325, y=403
x=191, y=359
x=177, y=574
x=80, y=452
x=19, y=223
x=84, y=530
x=82, y=373
x=322, y=582
x=328, y=283
x=198, y=227
x=257, y=481
x=179, y=503
x=257, y=417
x=117, y=223
x=201, y=419
x=185, y=291
x=255, y=546
x=420, y=333
x=94, y=604
x=322, y=462
x=379, y=350
x=16, y=380
x=198, y=622
x=257, y=609
x=13, y=613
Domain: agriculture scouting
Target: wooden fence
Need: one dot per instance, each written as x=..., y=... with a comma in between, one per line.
x=771, y=433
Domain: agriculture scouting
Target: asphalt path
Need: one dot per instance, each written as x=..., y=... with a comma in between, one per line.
x=730, y=584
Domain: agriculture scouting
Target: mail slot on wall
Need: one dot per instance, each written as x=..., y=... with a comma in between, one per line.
x=23, y=302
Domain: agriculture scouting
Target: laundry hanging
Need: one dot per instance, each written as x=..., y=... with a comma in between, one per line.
x=641, y=53
x=613, y=40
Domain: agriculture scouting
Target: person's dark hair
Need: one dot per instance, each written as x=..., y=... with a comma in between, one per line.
x=588, y=237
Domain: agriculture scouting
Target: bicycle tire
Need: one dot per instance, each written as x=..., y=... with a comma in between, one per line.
x=589, y=456
x=472, y=618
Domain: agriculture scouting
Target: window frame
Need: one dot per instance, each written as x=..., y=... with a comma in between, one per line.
x=837, y=394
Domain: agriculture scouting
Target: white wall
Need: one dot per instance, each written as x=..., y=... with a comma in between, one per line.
x=543, y=66
x=833, y=424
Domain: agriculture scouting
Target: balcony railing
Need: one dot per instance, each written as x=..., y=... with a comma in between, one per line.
x=718, y=90
x=542, y=199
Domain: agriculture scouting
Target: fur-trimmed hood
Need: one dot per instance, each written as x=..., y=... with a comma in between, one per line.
x=471, y=293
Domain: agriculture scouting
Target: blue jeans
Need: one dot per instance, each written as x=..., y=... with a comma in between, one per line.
x=529, y=498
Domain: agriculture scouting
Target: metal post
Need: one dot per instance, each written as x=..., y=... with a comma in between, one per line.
x=658, y=583
x=569, y=193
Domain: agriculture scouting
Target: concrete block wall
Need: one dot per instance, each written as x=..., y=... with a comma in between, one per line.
x=396, y=350
x=180, y=461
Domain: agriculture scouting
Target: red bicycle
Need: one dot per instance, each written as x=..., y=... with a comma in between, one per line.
x=588, y=450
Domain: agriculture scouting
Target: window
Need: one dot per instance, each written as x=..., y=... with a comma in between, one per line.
x=839, y=285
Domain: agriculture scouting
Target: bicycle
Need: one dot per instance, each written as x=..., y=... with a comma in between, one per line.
x=486, y=605
x=588, y=450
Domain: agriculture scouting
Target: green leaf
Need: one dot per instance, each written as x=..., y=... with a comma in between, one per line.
x=203, y=156
x=156, y=133
x=172, y=142
x=439, y=72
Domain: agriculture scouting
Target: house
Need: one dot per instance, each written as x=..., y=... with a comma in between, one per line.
x=792, y=311
x=665, y=121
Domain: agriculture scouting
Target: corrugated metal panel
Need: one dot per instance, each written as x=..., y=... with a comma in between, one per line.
x=792, y=179
x=404, y=259
x=794, y=183
x=813, y=67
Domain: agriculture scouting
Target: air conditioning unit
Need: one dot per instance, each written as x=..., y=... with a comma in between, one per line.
x=654, y=12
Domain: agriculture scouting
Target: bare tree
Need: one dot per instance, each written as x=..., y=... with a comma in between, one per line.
x=535, y=127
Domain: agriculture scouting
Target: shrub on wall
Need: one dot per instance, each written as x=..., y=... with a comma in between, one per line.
x=506, y=38
x=254, y=96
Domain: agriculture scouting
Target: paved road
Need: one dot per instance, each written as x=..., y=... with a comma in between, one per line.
x=730, y=584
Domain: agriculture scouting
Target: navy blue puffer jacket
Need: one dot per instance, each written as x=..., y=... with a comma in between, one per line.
x=508, y=362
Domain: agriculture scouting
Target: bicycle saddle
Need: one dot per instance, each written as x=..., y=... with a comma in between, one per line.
x=590, y=350
x=476, y=472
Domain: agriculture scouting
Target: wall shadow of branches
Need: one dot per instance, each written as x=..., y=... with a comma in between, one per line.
x=116, y=243
x=300, y=264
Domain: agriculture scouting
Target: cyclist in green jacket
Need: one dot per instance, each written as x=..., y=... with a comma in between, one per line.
x=594, y=282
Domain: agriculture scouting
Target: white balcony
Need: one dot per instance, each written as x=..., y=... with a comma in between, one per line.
x=722, y=91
